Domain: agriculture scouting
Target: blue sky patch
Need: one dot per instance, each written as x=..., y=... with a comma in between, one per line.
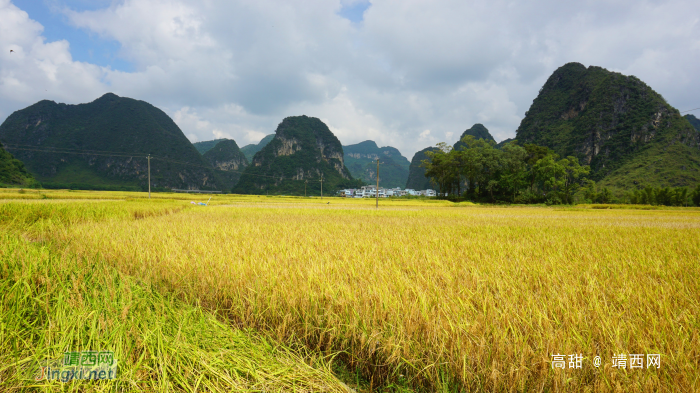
x=85, y=46
x=355, y=12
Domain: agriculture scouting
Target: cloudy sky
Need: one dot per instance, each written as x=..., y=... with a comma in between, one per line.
x=405, y=73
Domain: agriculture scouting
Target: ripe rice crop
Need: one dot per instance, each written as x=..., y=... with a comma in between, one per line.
x=432, y=296
x=53, y=302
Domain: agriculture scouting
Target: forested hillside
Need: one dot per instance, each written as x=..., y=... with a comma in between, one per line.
x=361, y=160
x=617, y=124
x=103, y=145
x=303, y=152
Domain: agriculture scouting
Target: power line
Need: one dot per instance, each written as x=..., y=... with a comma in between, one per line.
x=67, y=151
x=105, y=153
x=690, y=110
x=206, y=167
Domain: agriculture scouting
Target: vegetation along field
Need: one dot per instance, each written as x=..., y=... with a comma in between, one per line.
x=255, y=293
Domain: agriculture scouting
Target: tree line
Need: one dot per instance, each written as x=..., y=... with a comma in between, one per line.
x=480, y=171
x=647, y=195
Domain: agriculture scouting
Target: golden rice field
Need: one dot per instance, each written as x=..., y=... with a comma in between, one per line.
x=294, y=294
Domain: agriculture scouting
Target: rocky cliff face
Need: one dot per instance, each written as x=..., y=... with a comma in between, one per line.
x=604, y=118
x=226, y=156
x=302, y=151
x=103, y=144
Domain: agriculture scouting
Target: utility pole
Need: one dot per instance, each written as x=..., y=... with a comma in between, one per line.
x=305, y=183
x=321, y=185
x=377, y=191
x=149, y=176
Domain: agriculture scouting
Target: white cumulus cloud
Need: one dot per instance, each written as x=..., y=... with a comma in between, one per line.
x=237, y=68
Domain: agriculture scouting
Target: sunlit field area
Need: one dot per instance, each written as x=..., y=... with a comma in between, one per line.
x=263, y=293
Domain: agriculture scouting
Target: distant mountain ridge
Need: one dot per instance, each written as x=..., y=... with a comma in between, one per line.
x=251, y=149
x=204, y=146
x=628, y=134
x=228, y=162
x=478, y=131
x=360, y=160
x=694, y=121
x=502, y=143
x=103, y=144
x=618, y=125
x=302, y=151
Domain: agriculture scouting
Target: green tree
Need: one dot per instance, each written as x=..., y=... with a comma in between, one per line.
x=514, y=176
x=632, y=198
x=442, y=167
x=470, y=163
x=696, y=196
x=591, y=193
x=680, y=196
x=574, y=175
x=492, y=166
x=534, y=154
x=605, y=196
x=648, y=196
x=664, y=196
x=479, y=162
x=550, y=173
